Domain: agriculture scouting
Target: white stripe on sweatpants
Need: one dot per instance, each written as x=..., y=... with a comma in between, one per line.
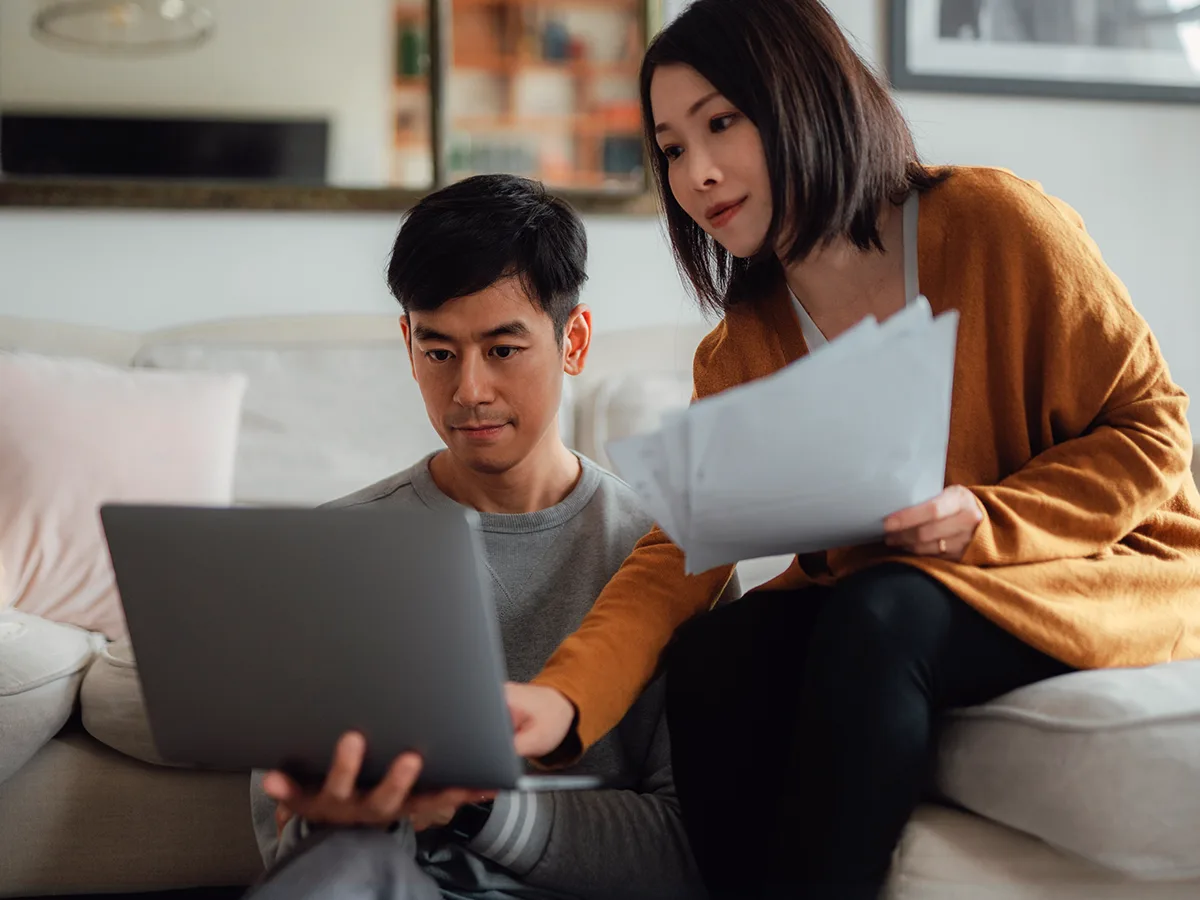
x=510, y=823
x=523, y=838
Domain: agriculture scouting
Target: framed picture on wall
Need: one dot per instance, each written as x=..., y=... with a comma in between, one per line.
x=1099, y=49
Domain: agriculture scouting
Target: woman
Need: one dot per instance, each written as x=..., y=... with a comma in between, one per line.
x=1068, y=535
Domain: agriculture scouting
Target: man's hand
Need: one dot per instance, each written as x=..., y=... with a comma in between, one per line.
x=339, y=802
x=434, y=818
x=943, y=527
x=542, y=718
x=283, y=815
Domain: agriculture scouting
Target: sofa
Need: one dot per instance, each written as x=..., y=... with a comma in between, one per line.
x=1084, y=787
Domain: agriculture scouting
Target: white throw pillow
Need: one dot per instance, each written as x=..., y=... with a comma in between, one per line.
x=78, y=434
x=1103, y=764
x=41, y=665
x=621, y=406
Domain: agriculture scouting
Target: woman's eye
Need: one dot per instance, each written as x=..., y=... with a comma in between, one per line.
x=505, y=352
x=722, y=123
x=672, y=153
x=438, y=355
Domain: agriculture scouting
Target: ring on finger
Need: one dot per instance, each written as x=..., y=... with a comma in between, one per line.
x=942, y=546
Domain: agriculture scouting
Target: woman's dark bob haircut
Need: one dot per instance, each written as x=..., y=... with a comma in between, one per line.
x=837, y=146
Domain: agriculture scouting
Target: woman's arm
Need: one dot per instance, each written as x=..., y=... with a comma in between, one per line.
x=608, y=661
x=603, y=667
x=1097, y=376
x=1082, y=496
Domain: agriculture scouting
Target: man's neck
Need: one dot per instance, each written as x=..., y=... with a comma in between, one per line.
x=543, y=479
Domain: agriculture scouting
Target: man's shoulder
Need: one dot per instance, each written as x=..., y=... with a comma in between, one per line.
x=617, y=503
x=393, y=490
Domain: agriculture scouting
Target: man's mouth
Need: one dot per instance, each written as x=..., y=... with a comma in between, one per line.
x=481, y=431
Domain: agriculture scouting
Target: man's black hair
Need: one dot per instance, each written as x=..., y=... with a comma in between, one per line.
x=468, y=236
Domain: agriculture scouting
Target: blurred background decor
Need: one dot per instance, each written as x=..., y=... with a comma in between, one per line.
x=319, y=104
x=1100, y=49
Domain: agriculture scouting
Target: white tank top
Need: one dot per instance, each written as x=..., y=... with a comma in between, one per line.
x=812, y=334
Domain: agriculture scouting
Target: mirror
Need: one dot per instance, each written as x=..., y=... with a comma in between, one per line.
x=318, y=103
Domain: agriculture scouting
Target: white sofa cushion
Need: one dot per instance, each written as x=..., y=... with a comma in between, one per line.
x=113, y=706
x=624, y=405
x=41, y=664
x=946, y=854
x=320, y=420
x=1103, y=764
x=77, y=434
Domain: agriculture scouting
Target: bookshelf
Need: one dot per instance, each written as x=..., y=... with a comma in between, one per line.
x=543, y=88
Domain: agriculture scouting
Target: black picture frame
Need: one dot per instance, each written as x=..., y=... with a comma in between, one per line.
x=904, y=77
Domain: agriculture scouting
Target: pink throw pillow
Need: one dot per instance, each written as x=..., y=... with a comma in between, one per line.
x=76, y=434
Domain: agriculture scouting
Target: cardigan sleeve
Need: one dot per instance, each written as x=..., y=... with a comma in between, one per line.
x=603, y=667
x=1100, y=384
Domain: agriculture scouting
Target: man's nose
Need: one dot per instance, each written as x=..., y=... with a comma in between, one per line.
x=474, y=384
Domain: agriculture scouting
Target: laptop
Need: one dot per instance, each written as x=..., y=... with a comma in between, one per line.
x=264, y=634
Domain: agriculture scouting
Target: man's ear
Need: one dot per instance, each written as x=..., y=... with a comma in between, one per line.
x=577, y=340
x=406, y=330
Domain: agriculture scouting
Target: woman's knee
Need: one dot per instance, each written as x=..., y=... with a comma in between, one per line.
x=893, y=608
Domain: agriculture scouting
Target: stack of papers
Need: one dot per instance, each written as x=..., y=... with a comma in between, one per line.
x=813, y=457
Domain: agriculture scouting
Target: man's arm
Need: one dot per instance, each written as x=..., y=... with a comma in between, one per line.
x=598, y=845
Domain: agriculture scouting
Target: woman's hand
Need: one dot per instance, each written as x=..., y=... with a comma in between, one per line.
x=541, y=716
x=943, y=527
x=340, y=802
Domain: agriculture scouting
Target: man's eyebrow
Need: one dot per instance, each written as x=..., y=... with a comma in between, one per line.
x=692, y=110
x=508, y=329
x=516, y=328
x=425, y=333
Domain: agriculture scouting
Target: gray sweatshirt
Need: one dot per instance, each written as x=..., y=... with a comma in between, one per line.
x=547, y=568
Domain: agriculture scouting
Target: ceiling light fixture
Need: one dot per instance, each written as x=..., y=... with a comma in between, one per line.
x=124, y=27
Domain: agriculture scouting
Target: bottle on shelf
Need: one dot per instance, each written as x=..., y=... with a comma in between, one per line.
x=410, y=51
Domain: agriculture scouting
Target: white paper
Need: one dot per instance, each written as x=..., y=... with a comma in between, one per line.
x=813, y=457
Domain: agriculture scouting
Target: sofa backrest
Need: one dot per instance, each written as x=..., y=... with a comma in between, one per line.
x=331, y=404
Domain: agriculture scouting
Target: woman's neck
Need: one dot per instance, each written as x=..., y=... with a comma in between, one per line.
x=839, y=285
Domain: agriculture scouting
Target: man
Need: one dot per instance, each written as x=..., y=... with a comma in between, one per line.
x=488, y=272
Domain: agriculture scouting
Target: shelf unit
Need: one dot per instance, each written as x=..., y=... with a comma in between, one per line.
x=585, y=137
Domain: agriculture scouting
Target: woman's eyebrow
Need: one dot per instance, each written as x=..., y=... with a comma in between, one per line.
x=692, y=110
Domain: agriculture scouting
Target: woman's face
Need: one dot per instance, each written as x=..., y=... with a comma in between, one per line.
x=716, y=164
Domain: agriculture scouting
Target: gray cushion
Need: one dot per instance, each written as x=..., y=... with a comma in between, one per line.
x=113, y=708
x=41, y=664
x=1103, y=764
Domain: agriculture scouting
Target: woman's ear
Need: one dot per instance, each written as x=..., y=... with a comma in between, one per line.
x=577, y=340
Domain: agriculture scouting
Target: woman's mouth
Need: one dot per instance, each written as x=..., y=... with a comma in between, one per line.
x=722, y=214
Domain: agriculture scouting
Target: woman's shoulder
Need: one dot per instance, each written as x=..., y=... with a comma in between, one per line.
x=996, y=202
x=992, y=212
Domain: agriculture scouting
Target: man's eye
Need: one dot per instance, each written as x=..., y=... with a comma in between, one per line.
x=505, y=352
x=438, y=355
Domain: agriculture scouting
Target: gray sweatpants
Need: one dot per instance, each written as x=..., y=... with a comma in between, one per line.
x=348, y=865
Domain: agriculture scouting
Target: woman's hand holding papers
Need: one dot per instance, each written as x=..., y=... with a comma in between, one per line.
x=340, y=802
x=943, y=527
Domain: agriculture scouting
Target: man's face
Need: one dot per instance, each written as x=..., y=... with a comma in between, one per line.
x=491, y=371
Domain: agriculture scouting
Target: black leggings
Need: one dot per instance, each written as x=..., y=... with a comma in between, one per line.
x=803, y=726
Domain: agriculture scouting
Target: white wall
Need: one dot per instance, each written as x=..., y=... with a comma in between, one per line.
x=1130, y=169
